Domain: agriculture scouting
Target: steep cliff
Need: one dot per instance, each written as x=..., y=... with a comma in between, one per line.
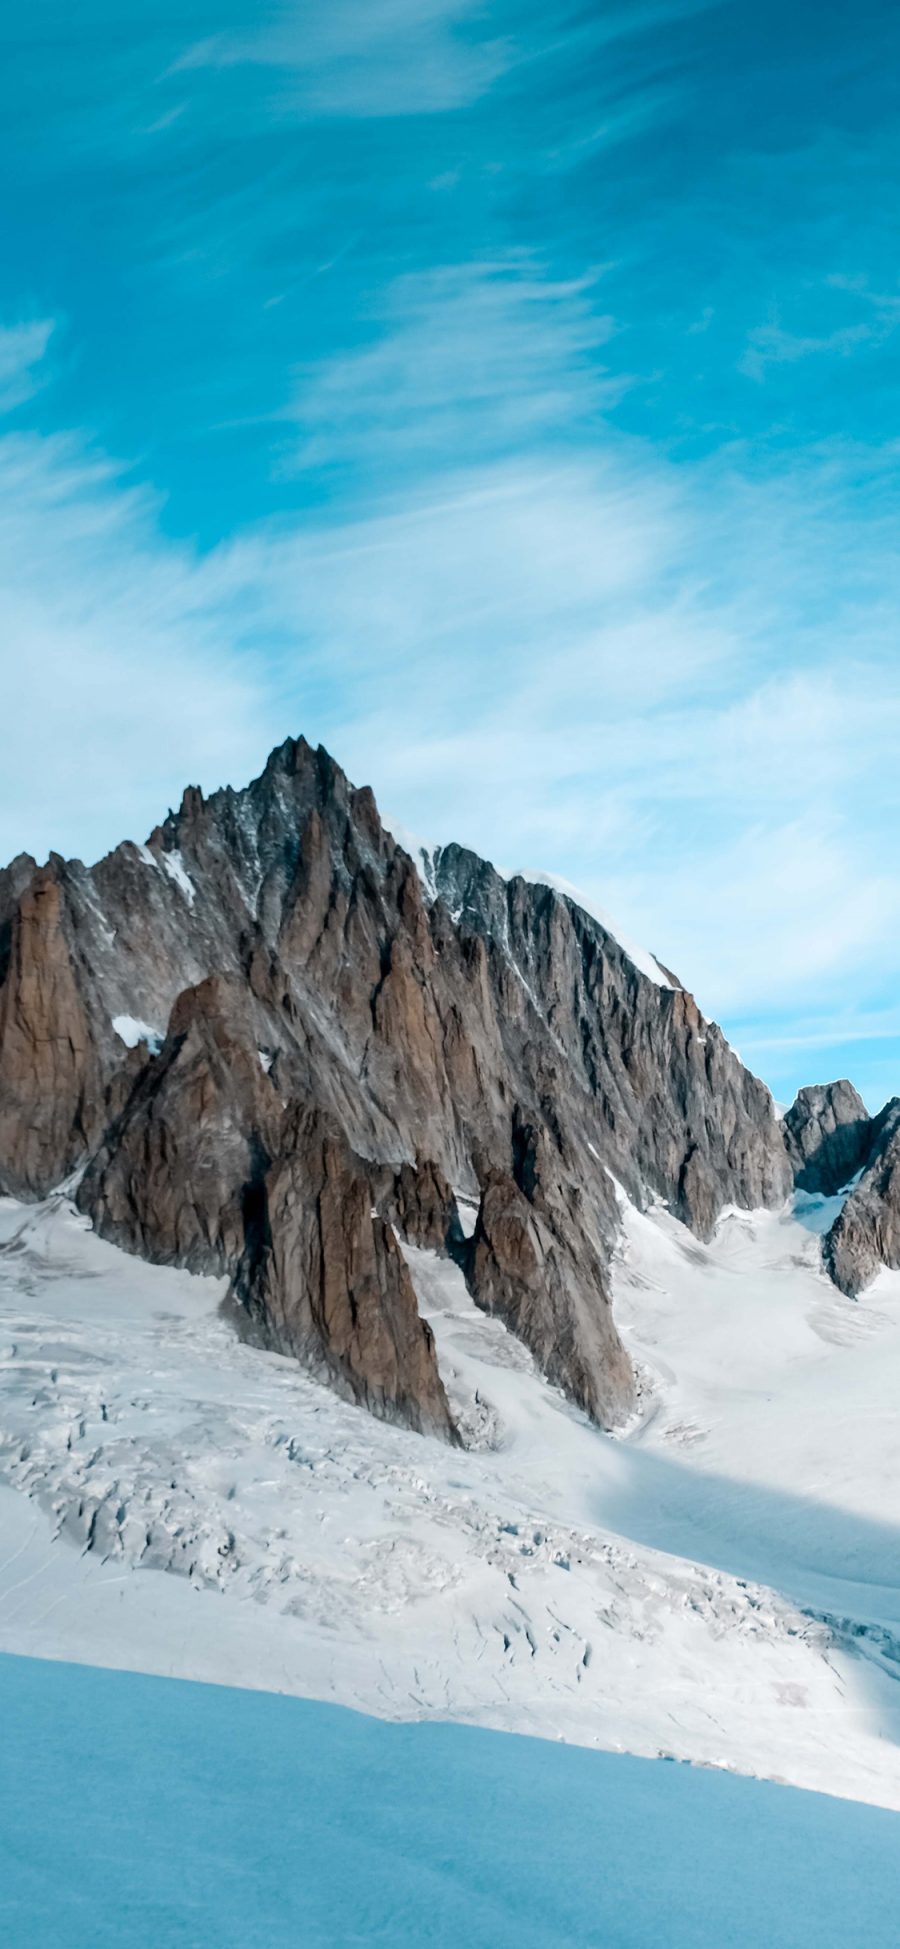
x=270, y=1023
x=866, y=1233
x=828, y=1136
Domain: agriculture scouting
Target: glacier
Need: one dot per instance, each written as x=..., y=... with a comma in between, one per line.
x=721, y=1584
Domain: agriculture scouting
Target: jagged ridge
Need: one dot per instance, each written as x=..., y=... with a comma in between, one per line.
x=331, y=1046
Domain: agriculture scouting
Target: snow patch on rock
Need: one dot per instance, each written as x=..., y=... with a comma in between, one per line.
x=173, y=864
x=131, y=1030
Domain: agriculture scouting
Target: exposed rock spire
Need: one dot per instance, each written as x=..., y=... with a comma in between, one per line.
x=328, y=1035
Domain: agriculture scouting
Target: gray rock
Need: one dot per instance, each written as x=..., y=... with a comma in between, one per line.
x=828, y=1136
x=538, y=1258
x=866, y=1233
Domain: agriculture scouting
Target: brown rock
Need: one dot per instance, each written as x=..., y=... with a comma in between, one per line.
x=50, y=1083
x=419, y=1202
x=326, y=1281
x=177, y=1178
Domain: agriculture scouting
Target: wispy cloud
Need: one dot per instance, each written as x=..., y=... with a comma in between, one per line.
x=635, y=672
x=771, y=344
x=367, y=57
x=551, y=482
x=463, y=360
x=22, y=351
x=383, y=58
x=124, y=675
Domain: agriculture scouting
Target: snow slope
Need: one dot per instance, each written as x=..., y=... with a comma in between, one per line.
x=769, y=1441
x=178, y=1503
x=135, y=1812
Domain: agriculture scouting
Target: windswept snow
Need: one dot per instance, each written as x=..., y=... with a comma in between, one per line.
x=421, y=852
x=770, y=1443
x=173, y=864
x=182, y=1503
x=131, y=1031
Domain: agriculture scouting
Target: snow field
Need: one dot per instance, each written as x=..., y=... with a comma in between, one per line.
x=136, y=1811
x=178, y=1503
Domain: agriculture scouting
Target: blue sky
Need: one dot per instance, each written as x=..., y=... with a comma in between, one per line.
x=505, y=394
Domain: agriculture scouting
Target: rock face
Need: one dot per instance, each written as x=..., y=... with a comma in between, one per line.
x=828, y=1135
x=178, y=1168
x=866, y=1233
x=537, y=1260
x=270, y=1023
x=324, y=1279
x=832, y=1143
x=50, y=1099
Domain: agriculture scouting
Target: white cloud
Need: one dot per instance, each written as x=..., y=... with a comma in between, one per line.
x=378, y=58
x=368, y=57
x=771, y=344
x=468, y=358
x=522, y=657
x=22, y=350
x=676, y=686
x=123, y=678
x=774, y=914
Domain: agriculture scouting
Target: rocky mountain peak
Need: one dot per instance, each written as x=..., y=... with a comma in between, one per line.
x=866, y=1232
x=834, y=1148
x=271, y=1040
x=827, y=1134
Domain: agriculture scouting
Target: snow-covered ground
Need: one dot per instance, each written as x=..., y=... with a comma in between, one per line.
x=135, y=1811
x=770, y=1434
x=722, y=1584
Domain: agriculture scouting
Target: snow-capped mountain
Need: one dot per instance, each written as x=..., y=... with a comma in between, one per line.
x=381, y=1128
x=267, y=1042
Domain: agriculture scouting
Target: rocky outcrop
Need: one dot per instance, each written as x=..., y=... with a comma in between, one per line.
x=661, y=1096
x=866, y=1233
x=834, y=1145
x=14, y=878
x=419, y=1201
x=177, y=1174
x=51, y=1103
x=538, y=1261
x=187, y=1176
x=286, y=959
x=323, y=1278
x=828, y=1136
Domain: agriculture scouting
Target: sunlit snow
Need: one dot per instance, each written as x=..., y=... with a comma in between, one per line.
x=173, y=864
x=722, y=1585
x=131, y=1030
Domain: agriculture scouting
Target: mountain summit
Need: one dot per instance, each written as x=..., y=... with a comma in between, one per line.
x=268, y=1042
